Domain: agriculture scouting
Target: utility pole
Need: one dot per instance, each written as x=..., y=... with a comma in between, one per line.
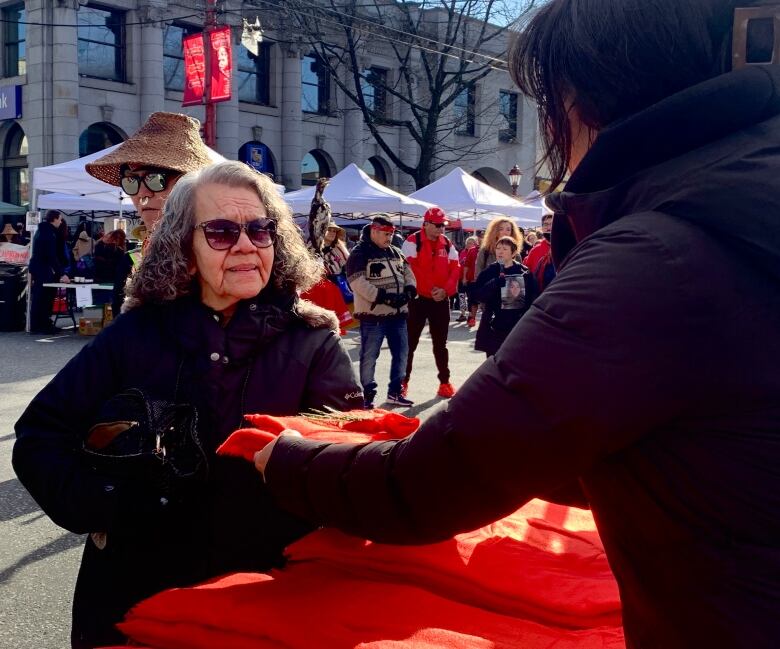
x=210, y=127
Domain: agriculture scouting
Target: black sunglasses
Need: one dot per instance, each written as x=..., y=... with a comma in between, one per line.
x=436, y=225
x=155, y=181
x=222, y=234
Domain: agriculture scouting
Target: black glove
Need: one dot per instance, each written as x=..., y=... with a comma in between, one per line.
x=411, y=291
x=381, y=297
x=393, y=300
x=397, y=300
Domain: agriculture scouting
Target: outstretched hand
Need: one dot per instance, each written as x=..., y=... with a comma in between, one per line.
x=262, y=457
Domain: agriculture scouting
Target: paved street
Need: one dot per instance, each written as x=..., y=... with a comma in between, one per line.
x=39, y=561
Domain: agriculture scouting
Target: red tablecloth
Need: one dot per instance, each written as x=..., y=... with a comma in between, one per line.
x=538, y=579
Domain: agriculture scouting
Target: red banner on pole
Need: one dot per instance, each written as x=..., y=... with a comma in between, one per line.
x=221, y=64
x=194, y=70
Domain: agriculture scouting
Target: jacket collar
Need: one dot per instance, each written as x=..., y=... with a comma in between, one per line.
x=254, y=325
x=630, y=152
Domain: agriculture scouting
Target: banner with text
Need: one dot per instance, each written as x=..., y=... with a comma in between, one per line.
x=221, y=64
x=194, y=70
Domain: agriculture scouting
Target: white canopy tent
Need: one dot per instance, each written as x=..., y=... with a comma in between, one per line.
x=351, y=191
x=87, y=203
x=464, y=197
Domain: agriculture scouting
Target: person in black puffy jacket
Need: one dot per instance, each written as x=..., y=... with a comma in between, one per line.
x=212, y=320
x=623, y=379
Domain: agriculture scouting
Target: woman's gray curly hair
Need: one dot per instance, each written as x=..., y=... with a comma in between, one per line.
x=164, y=274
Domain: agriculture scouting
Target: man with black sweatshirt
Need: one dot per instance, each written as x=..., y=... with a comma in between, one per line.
x=383, y=284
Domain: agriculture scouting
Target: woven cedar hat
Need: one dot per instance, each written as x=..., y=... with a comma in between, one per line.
x=8, y=229
x=167, y=140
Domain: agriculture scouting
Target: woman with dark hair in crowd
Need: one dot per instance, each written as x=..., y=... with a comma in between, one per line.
x=623, y=378
x=212, y=329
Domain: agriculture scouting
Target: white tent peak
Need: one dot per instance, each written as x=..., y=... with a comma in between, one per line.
x=351, y=190
x=461, y=195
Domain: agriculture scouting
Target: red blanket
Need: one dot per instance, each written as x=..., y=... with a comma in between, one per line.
x=327, y=295
x=537, y=579
x=356, y=426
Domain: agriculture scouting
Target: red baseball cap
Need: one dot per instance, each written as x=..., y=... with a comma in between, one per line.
x=435, y=215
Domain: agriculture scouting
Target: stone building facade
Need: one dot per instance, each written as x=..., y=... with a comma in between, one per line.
x=90, y=74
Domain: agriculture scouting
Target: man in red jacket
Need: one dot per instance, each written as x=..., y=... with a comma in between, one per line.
x=434, y=262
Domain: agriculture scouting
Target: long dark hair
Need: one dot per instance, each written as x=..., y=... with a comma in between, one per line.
x=612, y=58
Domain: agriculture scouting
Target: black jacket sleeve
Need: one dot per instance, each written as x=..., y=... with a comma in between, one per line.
x=47, y=455
x=591, y=382
x=331, y=381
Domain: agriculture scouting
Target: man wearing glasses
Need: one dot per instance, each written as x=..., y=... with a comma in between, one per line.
x=148, y=164
x=434, y=261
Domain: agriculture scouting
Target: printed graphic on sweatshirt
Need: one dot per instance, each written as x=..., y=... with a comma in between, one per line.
x=513, y=293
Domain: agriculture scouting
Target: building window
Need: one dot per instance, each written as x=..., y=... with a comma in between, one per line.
x=464, y=108
x=315, y=165
x=254, y=75
x=16, y=175
x=173, y=55
x=97, y=137
x=315, y=85
x=13, y=40
x=374, y=86
x=507, y=107
x=376, y=169
x=101, y=42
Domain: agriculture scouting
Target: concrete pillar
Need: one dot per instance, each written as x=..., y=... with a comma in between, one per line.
x=33, y=104
x=292, y=127
x=408, y=149
x=528, y=121
x=151, y=79
x=353, y=124
x=65, y=92
x=51, y=98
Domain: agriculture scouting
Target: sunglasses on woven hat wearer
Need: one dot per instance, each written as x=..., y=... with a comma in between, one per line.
x=223, y=234
x=154, y=180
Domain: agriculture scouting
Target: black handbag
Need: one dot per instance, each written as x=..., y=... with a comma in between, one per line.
x=136, y=436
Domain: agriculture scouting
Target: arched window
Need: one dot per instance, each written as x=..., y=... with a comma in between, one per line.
x=494, y=178
x=16, y=175
x=315, y=164
x=98, y=136
x=377, y=169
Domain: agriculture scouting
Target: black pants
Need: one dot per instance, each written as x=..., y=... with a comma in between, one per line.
x=437, y=314
x=41, y=304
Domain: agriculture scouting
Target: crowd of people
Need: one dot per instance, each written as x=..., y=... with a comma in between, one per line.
x=631, y=346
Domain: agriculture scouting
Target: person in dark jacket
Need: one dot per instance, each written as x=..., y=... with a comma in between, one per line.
x=46, y=266
x=666, y=242
x=506, y=289
x=383, y=283
x=212, y=319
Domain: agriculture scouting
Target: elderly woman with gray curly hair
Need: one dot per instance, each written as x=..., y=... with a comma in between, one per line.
x=121, y=444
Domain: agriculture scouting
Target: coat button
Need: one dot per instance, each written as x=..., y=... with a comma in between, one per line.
x=253, y=307
x=225, y=360
x=214, y=356
x=216, y=317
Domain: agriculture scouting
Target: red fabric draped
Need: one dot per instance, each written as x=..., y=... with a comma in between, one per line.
x=538, y=579
x=327, y=295
x=356, y=427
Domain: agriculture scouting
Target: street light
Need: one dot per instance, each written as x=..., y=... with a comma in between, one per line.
x=514, y=178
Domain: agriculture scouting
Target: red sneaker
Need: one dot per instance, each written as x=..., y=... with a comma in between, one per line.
x=404, y=388
x=472, y=322
x=446, y=390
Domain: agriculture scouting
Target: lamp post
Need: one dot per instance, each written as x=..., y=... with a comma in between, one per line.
x=514, y=178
